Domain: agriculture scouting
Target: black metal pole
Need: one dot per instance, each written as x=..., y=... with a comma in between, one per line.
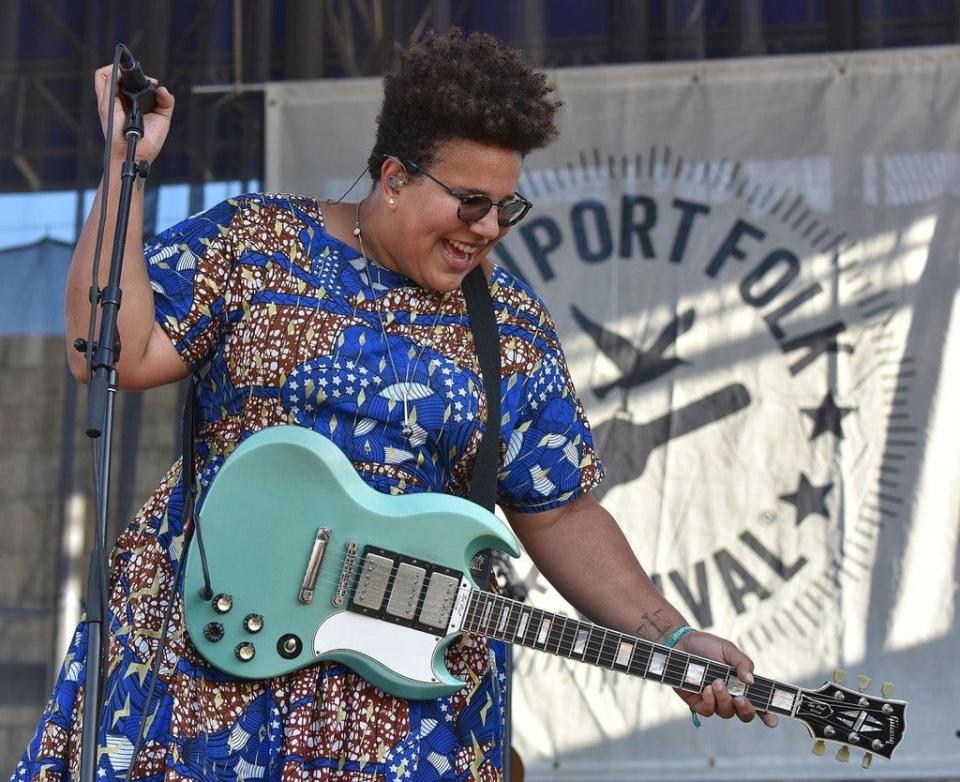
x=100, y=410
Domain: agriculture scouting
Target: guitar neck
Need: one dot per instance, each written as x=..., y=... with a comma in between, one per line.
x=517, y=623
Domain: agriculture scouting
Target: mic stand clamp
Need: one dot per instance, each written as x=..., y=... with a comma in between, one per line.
x=99, y=425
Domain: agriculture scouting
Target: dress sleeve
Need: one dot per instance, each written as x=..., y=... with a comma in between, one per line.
x=549, y=458
x=190, y=267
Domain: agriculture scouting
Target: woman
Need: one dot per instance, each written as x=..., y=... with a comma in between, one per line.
x=347, y=318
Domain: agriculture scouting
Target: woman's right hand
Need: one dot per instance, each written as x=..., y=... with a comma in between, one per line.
x=156, y=124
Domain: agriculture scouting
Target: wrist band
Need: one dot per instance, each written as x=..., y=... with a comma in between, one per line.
x=676, y=635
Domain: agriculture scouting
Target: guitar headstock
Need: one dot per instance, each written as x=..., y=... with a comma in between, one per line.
x=853, y=718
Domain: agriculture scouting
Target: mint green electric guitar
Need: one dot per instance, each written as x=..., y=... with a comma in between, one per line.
x=308, y=563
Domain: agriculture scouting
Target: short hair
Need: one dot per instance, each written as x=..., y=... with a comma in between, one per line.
x=461, y=87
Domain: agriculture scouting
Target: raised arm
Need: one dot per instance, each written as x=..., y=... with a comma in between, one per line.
x=147, y=357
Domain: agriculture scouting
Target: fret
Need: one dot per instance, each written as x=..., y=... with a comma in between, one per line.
x=675, y=665
x=695, y=674
x=514, y=611
x=625, y=649
x=783, y=698
x=472, y=620
x=570, y=631
x=641, y=658
x=658, y=663
x=543, y=630
x=522, y=624
x=611, y=644
x=594, y=650
x=552, y=643
x=485, y=616
x=734, y=686
x=496, y=608
x=533, y=627
x=580, y=642
x=504, y=617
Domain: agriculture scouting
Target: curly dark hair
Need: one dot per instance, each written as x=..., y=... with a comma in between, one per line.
x=461, y=87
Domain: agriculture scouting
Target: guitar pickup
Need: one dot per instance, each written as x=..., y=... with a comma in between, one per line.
x=404, y=590
x=373, y=581
x=405, y=594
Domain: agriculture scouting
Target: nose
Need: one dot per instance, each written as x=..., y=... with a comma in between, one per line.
x=487, y=226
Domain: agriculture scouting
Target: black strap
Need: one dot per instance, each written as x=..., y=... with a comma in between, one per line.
x=483, y=324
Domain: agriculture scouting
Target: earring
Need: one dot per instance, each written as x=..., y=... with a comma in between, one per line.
x=392, y=201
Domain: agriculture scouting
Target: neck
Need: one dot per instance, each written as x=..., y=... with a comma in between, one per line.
x=368, y=216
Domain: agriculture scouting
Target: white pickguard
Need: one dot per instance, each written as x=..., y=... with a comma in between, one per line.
x=402, y=650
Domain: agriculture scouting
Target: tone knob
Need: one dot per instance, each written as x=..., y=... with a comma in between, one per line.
x=222, y=603
x=245, y=651
x=253, y=623
x=213, y=631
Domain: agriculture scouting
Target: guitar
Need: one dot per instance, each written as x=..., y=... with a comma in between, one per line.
x=308, y=563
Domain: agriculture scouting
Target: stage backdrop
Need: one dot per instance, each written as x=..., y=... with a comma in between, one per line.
x=754, y=268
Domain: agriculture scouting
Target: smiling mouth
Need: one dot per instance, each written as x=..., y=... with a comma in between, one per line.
x=460, y=252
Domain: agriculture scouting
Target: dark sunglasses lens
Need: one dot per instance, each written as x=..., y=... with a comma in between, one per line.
x=473, y=208
x=512, y=213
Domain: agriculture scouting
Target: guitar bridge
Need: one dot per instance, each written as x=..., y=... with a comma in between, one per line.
x=349, y=558
x=405, y=590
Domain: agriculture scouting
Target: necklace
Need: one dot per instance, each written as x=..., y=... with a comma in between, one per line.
x=407, y=430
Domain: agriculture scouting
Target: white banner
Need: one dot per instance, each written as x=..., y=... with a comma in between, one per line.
x=754, y=267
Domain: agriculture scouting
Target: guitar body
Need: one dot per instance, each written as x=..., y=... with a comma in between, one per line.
x=259, y=524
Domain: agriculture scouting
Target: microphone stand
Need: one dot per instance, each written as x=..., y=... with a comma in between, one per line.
x=99, y=424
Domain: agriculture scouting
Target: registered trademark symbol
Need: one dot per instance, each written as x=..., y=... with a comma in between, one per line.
x=768, y=516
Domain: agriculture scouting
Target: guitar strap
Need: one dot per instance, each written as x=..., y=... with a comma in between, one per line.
x=483, y=485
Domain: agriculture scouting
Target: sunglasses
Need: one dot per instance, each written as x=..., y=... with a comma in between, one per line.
x=474, y=206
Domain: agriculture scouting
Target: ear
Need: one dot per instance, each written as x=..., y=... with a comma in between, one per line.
x=393, y=176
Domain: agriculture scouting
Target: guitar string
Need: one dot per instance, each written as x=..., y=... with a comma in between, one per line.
x=672, y=666
x=674, y=669
x=603, y=659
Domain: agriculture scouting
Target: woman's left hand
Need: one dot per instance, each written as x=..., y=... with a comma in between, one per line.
x=715, y=698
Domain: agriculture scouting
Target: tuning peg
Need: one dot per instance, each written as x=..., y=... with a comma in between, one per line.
x=886, y=689
x=843, y=754
x=839, y=676
x=867, y=760
x=863, y=682
x=819, y=748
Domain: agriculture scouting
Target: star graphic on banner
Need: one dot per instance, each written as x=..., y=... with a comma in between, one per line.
x=808, y=499
x=827, y=417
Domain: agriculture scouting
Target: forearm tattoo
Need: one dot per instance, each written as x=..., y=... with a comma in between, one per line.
x=655, y=627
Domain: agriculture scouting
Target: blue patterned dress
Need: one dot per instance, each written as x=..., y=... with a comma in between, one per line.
x=286, y=324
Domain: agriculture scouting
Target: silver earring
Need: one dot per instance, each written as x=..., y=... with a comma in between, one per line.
x=392, y=201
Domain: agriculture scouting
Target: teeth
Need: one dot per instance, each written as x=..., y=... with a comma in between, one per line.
x=469, y=249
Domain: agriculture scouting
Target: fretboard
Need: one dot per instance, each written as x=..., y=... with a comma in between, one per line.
x=518, y=623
